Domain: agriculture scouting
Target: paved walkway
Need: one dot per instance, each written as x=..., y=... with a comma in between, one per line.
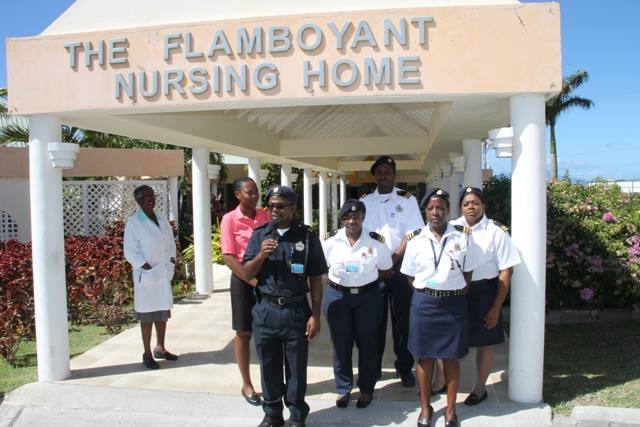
x=109, y=384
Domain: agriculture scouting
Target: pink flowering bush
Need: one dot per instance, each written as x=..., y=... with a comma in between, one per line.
x=593, y=243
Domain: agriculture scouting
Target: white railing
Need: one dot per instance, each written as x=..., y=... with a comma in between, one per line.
x=90, y=205
x=8, y=227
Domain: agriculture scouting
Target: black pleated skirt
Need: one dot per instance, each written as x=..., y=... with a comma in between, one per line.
x=438, y=327
x=479, y=299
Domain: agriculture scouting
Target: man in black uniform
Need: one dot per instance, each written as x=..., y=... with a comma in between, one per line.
x=283, y=255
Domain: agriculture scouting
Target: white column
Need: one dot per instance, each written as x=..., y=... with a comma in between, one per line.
x=254, y=174
x=322, y=195
x=454, y=189
x=47, y=241
x=529, y=229
x=306, y=190
x=202, y=220
x=213, y=188
x=472, y=150
x=343, y=189
x=173, y=199
x=334, y=201
x=285, y=175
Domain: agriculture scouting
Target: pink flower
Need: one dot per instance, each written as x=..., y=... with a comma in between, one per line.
x=609, y=217
x=586, y=294
x=589, y=200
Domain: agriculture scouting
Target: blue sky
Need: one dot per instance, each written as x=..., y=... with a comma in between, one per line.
x=601, y=37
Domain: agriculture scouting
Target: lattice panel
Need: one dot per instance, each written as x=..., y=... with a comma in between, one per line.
x=90, y=205
x=8, y=227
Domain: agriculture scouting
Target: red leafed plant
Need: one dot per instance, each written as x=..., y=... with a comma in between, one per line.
x=17, y=322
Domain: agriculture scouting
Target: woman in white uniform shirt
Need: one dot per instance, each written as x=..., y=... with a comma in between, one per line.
x=438, y=262
x=489, y=285
x=150, y=248
x=353, y=300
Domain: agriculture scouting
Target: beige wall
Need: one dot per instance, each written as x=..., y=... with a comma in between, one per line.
x=508, y=48
x=14, y=200
x=14, y=163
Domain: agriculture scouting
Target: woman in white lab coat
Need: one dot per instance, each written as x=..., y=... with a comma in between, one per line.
x=150, y=248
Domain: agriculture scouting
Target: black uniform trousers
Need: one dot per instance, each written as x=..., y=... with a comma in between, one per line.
x=396, y=293
x=354, y=318
x=279, y=334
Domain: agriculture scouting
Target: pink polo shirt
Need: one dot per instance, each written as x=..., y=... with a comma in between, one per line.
x=236, y=230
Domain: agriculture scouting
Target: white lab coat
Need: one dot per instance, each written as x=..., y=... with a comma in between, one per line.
x=144, y=243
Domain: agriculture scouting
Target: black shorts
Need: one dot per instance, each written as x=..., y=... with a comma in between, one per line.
x=242, y=302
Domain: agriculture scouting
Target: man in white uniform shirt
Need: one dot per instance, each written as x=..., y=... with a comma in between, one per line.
x=392, y=213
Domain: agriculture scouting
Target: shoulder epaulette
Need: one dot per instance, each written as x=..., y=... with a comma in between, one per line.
x=502, y=227
x=376, y=236
x=306, y=227
x=329, y=234
x=403, y=193
x=413, y=233
x=366, y=194
x=462, y=228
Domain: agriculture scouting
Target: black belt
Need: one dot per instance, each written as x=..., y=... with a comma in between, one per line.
x=481, y=281
x=443, y=294
x=284, y=300
x=355, y=290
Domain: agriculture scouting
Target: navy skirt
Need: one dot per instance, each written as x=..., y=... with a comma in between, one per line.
x=480, y=298
x=438, y=327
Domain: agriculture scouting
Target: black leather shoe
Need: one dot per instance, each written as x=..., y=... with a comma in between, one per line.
x=473, y=399
x=151, y=364
x=407, y=379
x=439, y=391
x=426, y=422
x=343, y=400
x=267, y=421
x=297, y=424
x=452, y=423
x=252, y=399
x=364, y=400
x=166, y=355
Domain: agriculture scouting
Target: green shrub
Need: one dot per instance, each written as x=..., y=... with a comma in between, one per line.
x=593, y=245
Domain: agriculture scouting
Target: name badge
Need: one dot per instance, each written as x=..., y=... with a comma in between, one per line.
x=297, y=268
x=353, y=266
x=431, y=282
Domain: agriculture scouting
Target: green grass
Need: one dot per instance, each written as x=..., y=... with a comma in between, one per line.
x=592, y=365
x=24, y=369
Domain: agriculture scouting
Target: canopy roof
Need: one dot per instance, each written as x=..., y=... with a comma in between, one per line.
x=449, y=80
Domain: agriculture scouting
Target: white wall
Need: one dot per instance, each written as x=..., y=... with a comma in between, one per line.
x=14, y=200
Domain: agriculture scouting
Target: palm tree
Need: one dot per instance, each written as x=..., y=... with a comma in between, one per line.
x=3, y=100
x=560, y=103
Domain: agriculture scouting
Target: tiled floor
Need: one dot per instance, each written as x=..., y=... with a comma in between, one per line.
x=200, y=332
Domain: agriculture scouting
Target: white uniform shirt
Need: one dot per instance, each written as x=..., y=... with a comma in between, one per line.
x=499, y=252
x=456, y=254
x=144, y=243
x=392, y=216
x=357, y=265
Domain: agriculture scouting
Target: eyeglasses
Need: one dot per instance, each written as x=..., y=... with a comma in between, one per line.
x=151, y=197
x=278, y=207
x=347, y=219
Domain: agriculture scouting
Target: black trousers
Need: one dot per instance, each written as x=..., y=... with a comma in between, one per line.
x=279, y=334
x=396, y=294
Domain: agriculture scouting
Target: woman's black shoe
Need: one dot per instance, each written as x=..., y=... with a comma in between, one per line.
x=426, y=422
x=364, y=400
x=252, y=398
x=452, y=423
x=151, y=364
x=343, y=400
x=166, y=355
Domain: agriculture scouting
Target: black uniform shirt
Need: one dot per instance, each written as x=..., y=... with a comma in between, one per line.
x=275, y=277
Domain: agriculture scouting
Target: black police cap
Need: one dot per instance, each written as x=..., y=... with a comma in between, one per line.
x=282, y=191
x=432, y=194
x=470, y=190
x=352, y=205
x=382, y=160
